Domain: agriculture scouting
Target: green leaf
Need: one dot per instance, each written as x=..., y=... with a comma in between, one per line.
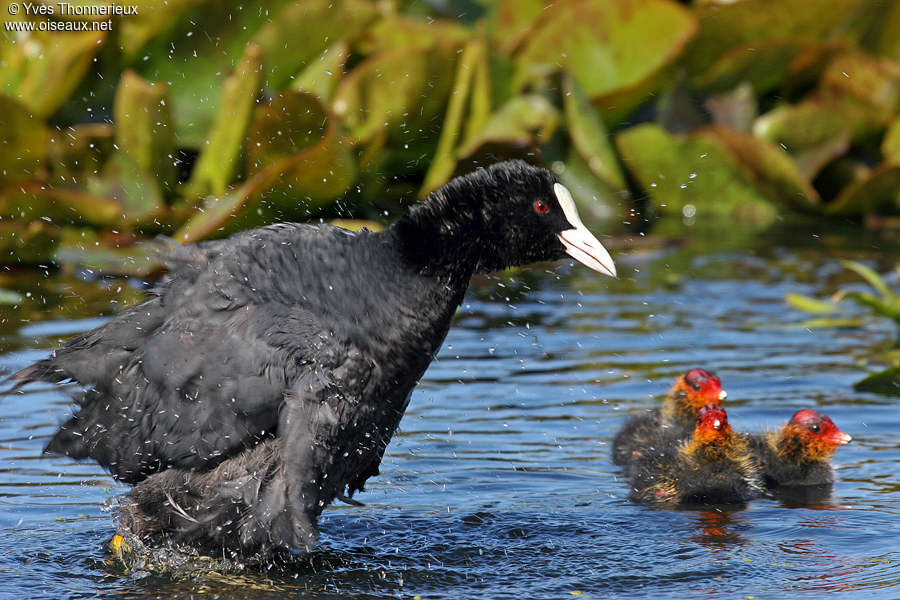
x=296, y=126
x=219, y=160
x=828, y=323
x=27, y=243
x=295, y=152
x=41, y=69
x=884, y=382
x=130, y=186
x=589, y=136
x=10, y=297
x=444, y=161
x=513, y=20
x=887, y=308
x=63, y=206
x=694, y=177
x=143, y=127
x=741, y=27
x=322, y=23
x=810, y=305
x=874, y=192
x=871, y=277
x=611, y=47
x=523, y=121
x=769, y=167
x=154, y=17
x=23, y=149
x=321, y=76
x=890, y=146
x=813, y=134
x=400, y=92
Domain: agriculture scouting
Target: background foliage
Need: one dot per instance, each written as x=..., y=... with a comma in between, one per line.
x=197, y=118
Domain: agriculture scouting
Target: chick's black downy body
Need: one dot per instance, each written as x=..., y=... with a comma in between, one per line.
x=266, y=375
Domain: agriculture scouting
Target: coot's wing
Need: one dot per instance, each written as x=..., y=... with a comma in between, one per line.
x=197, y=372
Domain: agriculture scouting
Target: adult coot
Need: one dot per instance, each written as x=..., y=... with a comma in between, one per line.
x=691, y=391
x=799, y=453
x=713, y=466
x=265, y=376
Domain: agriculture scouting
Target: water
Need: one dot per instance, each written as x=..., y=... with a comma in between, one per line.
x=500, y=484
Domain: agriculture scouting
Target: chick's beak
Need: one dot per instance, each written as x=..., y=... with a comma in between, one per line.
x=580, y=243
x=842, y=438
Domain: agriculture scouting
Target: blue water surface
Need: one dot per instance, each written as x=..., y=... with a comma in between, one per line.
x=499, y=483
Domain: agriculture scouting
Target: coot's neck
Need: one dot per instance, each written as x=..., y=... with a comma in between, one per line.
x=441, y=237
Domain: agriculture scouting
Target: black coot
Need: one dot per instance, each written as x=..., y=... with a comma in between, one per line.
x=266, y=375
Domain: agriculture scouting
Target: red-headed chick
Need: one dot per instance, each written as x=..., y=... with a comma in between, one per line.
x=713, y=466
x=691, y=391
x=799, y=453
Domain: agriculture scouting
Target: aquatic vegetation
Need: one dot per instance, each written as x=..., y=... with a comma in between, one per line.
x=205, y=118
x=881, y=300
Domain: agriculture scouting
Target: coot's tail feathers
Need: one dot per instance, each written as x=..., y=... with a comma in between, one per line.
x=244, y=502
x=68, y=441
x=43, y=370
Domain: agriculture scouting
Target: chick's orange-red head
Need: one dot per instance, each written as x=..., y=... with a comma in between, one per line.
x=818, y=434
x=712, y=424
x=699, y=388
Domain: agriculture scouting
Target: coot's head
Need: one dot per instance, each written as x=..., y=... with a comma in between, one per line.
x=509, y=214
x=697, y=388
x=816, y=433
x=712, y=424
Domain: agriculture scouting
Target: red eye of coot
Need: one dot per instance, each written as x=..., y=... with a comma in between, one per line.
x=541, y=207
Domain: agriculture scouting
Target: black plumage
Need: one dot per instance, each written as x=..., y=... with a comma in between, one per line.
x=676, y=419
x=713, y=466
x=799, y=453
x=267, y=373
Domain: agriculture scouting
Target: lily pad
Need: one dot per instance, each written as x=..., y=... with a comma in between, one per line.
x=878, y=192
x=890, y=146
x=610, y=47
x=525, y=120
x=444, y=161
x=297, y=160
x=813, y=134
x=693, y=177
x=130, y=186
x=41, y=69
x=297, y=127
x=144, y=131
x=396, y=32
x=27, y=243
x=884, y=382
x=590, y=137
x=865, y=88
x=735, y=109
x=513, y=21
x=154, y=17
x=219, y=160
x=24, y=146
x=321, y=76
x=322, y=23
x=769, y=167
x=32, y=201
x=398, y=92
x=731, y=29
x=78, y=151
x=139, y=260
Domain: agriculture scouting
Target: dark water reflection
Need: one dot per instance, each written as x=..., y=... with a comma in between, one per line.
x=499, y=483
